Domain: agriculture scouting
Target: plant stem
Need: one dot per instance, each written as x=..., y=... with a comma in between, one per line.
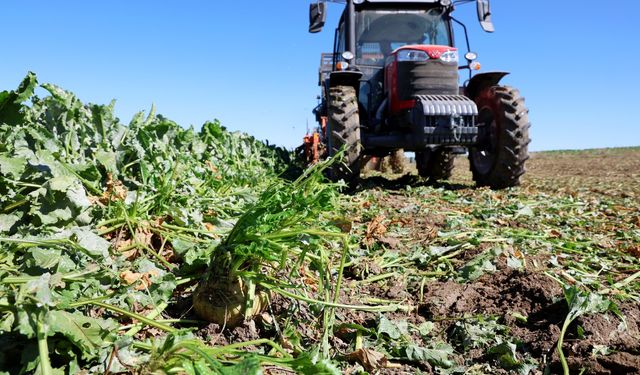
x=189, y=230
x=281, y=235
x=46, y=243
x=375, y=278
x=239, y=345
x=343, y=259
x=43, y=347
x=164, y=262
x=329, y=314
x=139, y=317
x=185, y=280
x=152, y=315
x=110, y=229
x=563, y=360
x=389, y=308
x=88, y=301
x=68, y=277
x=15, y=205
x=178, y=321
x=627, y=281
x=132, y=315
x=463, y=318
x=359, y=341
x=104, y=223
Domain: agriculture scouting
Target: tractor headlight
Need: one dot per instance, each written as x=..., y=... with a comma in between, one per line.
x=471, y=56
x=412, y=55
x=348, y=55
x=450, y=57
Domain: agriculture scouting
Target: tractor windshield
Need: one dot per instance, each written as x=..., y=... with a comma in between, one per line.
x=379, y=32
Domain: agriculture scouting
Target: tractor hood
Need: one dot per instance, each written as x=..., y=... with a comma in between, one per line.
x=415, y=70
x=434, y=52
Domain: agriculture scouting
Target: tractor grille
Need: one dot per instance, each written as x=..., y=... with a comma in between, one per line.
x=432, y=77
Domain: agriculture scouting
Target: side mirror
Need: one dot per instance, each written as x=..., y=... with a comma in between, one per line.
x=484, y=16
x=317, y=16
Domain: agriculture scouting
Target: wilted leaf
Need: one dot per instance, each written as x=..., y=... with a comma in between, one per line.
x=370, y=359
x=525, y=211
x=248, y=366
x=581, y=303
x=77, y=196
x=393, y=329
x=635, y=251
x=142, y=280
x=8, y=221
x=115, y=190
x=62, y=183
x=426, y=328
x=13, y=167
x=376, y=229
x=480, y=265
x=506, y=353
x=27, y=317
x=108, y=160
x=7, y=321
x=92, y=243
x=41, y=290
x=46, y=258
x=88, y=334
x=11, y=101
x=55, y=216
x=437, y=356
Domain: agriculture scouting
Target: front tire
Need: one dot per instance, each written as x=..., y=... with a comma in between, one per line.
x=343, y=131
x=435, y=164
x=499, y=160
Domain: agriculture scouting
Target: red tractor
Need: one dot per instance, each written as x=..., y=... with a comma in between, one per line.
x=392, y=82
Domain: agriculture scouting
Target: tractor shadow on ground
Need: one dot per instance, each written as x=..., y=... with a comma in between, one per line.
x=396, y=183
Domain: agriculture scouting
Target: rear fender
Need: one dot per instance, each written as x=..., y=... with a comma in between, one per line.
x=347, y=78
x=481, y=81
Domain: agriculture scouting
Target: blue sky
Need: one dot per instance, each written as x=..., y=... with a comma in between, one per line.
x=254, y=66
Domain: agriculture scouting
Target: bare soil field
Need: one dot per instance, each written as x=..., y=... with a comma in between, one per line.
x=488, y=277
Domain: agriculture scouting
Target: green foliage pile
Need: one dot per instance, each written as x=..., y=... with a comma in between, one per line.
x=99, y=220
x=106, y=229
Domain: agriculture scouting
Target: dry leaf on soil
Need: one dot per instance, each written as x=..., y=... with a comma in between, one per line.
x=376, y=229
x=370, y=359
x=144, y=279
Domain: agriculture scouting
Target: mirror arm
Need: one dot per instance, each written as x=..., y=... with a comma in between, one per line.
x=466, y=37
x=466, y=34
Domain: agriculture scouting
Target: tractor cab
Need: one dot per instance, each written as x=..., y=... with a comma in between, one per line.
x=380, y=31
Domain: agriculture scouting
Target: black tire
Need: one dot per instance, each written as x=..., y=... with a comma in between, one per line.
x=435, y=164
x=343, y=131
x=499, y=159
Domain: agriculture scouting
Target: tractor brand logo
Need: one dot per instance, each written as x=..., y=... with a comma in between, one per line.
x=435, y=54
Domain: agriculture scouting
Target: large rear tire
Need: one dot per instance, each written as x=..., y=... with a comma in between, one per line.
x=435, y=164
x=343, y=131
x=499, y=159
